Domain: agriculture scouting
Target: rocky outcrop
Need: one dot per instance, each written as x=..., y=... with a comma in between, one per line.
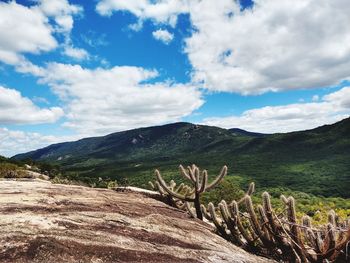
x=44, y=222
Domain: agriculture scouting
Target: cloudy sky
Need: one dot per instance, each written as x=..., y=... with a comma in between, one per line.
x=71, y=69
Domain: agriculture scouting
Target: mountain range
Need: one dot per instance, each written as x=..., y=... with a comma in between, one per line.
x=315, y=161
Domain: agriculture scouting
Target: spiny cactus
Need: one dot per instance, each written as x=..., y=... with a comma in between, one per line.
x=188, y=195
x=262, y=231
x=170, y=199
x=258, y=228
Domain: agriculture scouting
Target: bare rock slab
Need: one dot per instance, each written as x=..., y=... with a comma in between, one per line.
x=44, y=222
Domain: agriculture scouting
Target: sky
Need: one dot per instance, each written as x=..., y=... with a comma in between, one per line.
x=71, y=69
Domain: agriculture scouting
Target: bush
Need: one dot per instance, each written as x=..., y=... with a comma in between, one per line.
x=9, y=170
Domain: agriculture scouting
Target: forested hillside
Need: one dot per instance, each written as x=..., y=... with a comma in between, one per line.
x=314, y=161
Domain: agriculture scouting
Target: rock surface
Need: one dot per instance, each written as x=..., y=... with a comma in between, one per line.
x=44, y=222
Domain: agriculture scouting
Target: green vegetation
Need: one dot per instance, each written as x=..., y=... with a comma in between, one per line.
x=315, y=162
x=10, y=170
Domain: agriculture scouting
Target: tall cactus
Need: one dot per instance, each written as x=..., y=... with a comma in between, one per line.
x=278, y=236
x=199, y=182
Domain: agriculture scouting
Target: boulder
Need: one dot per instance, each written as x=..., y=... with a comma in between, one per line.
x=45, y=222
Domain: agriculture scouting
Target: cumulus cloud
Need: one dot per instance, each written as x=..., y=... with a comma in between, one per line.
x=297, y=44
x=14, y=141
x=163, y=35
x=23, y=29
x=273, y=46
x=15, y=109
x=292, y=117
x=62, y=12
x=165, y=12
x=31, y=30
x=76, y=53
x=99, y=101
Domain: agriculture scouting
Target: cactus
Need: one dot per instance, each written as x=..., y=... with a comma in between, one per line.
x=199, y=182
x=259, y=229
x=278, y=236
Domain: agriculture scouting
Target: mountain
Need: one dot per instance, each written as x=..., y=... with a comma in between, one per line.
x=314, y=161
x=153, y=142
x=237, y=131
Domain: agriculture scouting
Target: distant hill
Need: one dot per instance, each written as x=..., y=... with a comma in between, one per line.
x=238, y=131
x=153, y=142
x=315, y=161
x=5, y=160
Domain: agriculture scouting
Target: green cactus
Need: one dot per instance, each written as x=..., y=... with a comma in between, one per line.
x=199, y=182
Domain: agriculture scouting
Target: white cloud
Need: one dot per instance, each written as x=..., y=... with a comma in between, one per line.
x=31, y=30
x=61, y=11
x=165, y=11
x=299, y=116
x=275, y=46
x=163, y=35
x=315, y=98
x=25, y=66
x=94, y=39
x=23, y=30
x=136, y=26
x=15, y=109
x=76, y=53
x=278, y=45
x=13, y=141
x=100, y=101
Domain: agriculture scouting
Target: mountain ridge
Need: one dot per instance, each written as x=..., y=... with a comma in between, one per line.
x=314, y=160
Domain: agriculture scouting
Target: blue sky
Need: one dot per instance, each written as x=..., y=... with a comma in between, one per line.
x=71, y=69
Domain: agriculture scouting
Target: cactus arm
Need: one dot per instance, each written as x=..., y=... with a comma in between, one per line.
x=191, y=171
x=331, y=218
x=251, y=189
x=310, y=236
x=205, y=213
x=249, y=192
x=276, y=227
x=308, y=233
x=151, y=185
x=269, y=213
x=295, y=231
x=196, y=182
x=253, y=217
x=169, y=191
x=218, y=223
x=255, y=223
x=190, y=210
x=329, y=243
x=172, y=185
x=184, y=173
x=204, y=181
x=160, y=189
x=264, y=222
x=284, y=199
x=231, y=224
x=218, y=179
x=179, y=188
x=235, y=214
